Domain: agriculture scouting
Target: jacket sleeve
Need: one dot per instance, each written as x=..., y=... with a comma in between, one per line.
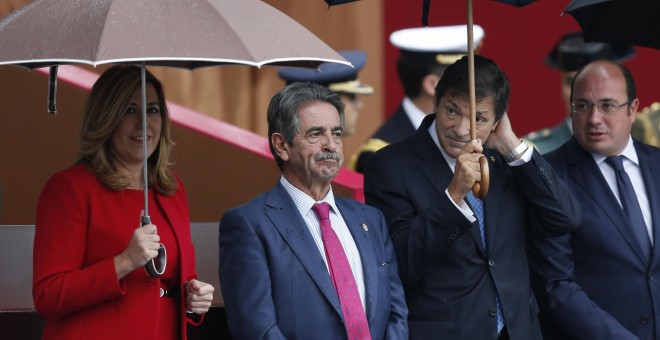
x=246, y=285
x=397, y=325
x=551, y=260
x=61, y=284
x=554, y=210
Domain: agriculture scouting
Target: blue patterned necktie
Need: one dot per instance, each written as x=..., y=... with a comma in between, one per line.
x=630, y=204
x=478, y=208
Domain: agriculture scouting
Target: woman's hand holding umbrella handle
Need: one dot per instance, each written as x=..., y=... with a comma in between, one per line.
x=142, y=248
x=155, y=266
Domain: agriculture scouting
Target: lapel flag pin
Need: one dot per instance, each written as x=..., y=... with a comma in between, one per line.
x=364, y=226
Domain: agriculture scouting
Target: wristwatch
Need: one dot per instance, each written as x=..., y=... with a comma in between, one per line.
x=519, y=150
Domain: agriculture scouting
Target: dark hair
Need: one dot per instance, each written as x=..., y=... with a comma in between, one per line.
x=411, y=74
x=490, y=81
x=631, y=88
x=285, y=105
x=106, y=106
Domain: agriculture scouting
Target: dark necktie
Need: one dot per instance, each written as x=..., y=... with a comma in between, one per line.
x=342, y=278
x=478, y=208
x=630, y=204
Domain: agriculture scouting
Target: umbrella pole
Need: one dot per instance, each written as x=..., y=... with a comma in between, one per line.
x=145, y=154
x=480, y=189
x=155, y=268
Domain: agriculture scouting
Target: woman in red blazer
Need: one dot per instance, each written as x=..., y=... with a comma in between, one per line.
x=89, y=248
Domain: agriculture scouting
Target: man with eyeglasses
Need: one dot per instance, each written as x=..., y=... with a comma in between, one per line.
x=599, y=281
x=570, y=54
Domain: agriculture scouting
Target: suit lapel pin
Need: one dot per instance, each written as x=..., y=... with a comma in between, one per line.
x=492, y=159
x=364, y=226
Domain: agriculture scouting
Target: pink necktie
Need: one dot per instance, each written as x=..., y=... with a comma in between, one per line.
x=342, y=278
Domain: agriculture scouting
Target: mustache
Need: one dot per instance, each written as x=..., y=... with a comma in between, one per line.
x=323, y=155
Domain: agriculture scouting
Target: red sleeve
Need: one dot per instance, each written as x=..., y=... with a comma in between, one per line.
x=60, y=282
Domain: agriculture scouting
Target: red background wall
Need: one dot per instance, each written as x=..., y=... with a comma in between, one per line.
x=518, y=40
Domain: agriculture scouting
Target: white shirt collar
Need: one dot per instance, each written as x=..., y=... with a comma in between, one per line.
x=415, y=115
x=628, y=152
x=304, y=202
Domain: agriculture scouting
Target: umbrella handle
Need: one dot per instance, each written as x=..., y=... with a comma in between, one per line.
x=480, y=188
x=155, y=267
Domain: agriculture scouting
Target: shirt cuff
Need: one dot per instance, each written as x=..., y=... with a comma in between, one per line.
x=526, y=157
x=463, y=208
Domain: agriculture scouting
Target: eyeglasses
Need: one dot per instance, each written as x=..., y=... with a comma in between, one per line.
x=582, y=106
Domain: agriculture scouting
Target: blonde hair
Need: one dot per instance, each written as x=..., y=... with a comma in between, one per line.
x=110, y=96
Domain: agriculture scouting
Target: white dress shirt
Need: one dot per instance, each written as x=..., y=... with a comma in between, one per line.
x=415, y=115
x=304, y=203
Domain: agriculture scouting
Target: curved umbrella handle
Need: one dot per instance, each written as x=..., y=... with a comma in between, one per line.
x=480, y=188
x=155, y=267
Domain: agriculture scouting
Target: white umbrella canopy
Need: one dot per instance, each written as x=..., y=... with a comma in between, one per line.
x=174, y=33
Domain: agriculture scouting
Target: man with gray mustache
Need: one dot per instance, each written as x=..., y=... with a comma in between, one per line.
x=462, y=259
x=298, y=262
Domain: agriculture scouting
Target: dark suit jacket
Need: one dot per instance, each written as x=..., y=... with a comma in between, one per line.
x=450, y=282
x=594, y=283
x=395, y=129
x=276, y=285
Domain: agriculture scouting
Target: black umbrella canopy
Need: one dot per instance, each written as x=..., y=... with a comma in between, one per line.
x=633, y=22
x=427, y=5
x=338, y=2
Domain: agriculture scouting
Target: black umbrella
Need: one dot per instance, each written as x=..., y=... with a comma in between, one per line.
x=634, y=22
x=338, y=2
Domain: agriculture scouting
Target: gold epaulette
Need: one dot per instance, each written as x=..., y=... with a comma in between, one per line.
x=371, y=145
x=650, y=132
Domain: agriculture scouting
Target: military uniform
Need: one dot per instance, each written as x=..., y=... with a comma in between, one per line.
x=646, y=127
x=395, y=129
x=549, y=139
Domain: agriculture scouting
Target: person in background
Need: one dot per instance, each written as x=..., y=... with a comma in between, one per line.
x=462, y=259
x=340, y=79
x=599, y=281
x=567, y=56
x=646, y=127
x=89, y=247
x=425, y=53
x=298, y=262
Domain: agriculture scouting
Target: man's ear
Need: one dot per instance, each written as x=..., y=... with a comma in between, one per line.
x=428, y=84
x=280, y=146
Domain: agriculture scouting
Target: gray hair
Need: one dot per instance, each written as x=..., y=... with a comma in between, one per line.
x=285, y=105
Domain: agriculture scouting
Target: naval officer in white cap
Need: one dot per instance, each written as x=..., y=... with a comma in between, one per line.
x=339, y=78
x=425, y=53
